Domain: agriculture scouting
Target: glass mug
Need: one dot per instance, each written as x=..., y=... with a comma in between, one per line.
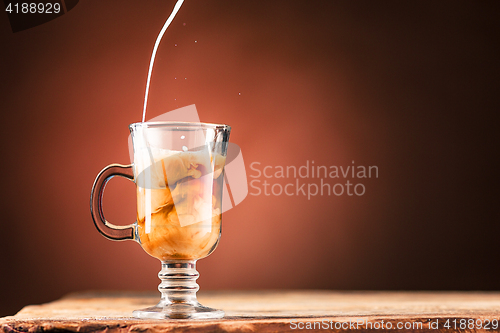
x=178, y=170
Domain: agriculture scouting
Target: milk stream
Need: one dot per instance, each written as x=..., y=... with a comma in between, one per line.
x=155, y=48
x=147, y=184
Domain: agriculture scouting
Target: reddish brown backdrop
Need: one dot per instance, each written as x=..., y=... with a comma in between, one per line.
x=411, y=87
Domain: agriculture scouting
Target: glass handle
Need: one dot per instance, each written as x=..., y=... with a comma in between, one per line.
x=107, y=229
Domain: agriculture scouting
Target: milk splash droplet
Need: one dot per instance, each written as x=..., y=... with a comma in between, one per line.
x=183, y=137
x=184, y=148
x=153, y=55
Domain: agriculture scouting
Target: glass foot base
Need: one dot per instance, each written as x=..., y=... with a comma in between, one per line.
x=179, y=311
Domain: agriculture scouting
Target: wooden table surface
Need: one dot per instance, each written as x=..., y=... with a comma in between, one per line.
x=270, y=311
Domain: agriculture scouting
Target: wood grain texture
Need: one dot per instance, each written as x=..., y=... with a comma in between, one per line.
x=267, y=311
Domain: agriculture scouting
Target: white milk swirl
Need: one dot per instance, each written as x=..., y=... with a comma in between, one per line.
x=155, y=48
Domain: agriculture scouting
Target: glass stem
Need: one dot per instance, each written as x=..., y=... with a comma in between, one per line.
x=178, y=282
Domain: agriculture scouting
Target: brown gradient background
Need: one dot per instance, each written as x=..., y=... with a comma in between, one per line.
x=411, y=87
